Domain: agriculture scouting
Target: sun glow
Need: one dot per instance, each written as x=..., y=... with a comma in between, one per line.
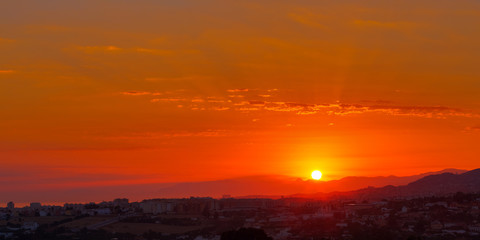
x=317, y=175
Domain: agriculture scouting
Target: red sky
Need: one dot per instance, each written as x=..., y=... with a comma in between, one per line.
x=129, y=92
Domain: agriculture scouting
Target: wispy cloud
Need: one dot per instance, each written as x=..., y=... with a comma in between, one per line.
x=308, y=19
x=136, y=93
x=242, y=103
x=475, y=128
x=131, y=50
x=168, y=100
x=198, y=100
x=237, y=90
x=263, y=100
x=256, y=103
x=167, y=135
x=95, y=49
x=221, y=108
x=348, y=109
x=7, y=71
x=422, y=111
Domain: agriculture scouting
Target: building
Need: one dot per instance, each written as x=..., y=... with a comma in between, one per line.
x=157, y=206
x=11, y=206
x=121, y=202
x=35, y=205
x=474, y=228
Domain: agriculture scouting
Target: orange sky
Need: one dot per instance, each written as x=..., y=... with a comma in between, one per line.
x=127, y=92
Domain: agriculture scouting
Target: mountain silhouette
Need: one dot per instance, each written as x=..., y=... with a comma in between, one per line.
x=276, y=185
x=431, y=185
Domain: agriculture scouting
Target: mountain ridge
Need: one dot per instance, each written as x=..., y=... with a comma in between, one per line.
x=278, y=185
x=431, y=185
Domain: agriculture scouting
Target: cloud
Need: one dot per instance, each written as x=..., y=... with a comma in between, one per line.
x=288, y=107
x=141, y=93
x=166, y=135
x=236, y=96
x=7, y=71
x=171, y=99
x=256, y=103
x=414, y=108
x=221, y=108
x=238, y=90
x=116, y=49
x=418, y=111
x=475, y=128
x=260, y=101
x=168, y=100
x=348, y=109
x=95, y=49
x=183, y=78
x=307, y=19
x=242, y=103
x=198, y=100
x=136, y=93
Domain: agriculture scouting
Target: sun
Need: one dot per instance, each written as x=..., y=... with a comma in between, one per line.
x=317, y=175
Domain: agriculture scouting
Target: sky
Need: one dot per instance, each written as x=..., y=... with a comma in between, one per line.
x=121, y=92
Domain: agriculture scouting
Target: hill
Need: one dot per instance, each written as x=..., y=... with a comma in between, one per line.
x=276, y=185
x=431, y=185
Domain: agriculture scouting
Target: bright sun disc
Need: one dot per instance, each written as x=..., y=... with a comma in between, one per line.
x=316, y=175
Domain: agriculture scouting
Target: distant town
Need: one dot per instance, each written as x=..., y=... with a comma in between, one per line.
x=452, y=216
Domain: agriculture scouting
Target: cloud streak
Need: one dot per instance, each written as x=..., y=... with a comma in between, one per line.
x=307, y=19
x=136, y=93
x=237, y=90
x=264, y=100
x=135, y=50
x=179, y=134
x=475, y=128
x=96, y=49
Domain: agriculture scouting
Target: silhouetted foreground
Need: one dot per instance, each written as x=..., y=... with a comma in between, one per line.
x=245, y=234
x=436, y=215
x=455, y=216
